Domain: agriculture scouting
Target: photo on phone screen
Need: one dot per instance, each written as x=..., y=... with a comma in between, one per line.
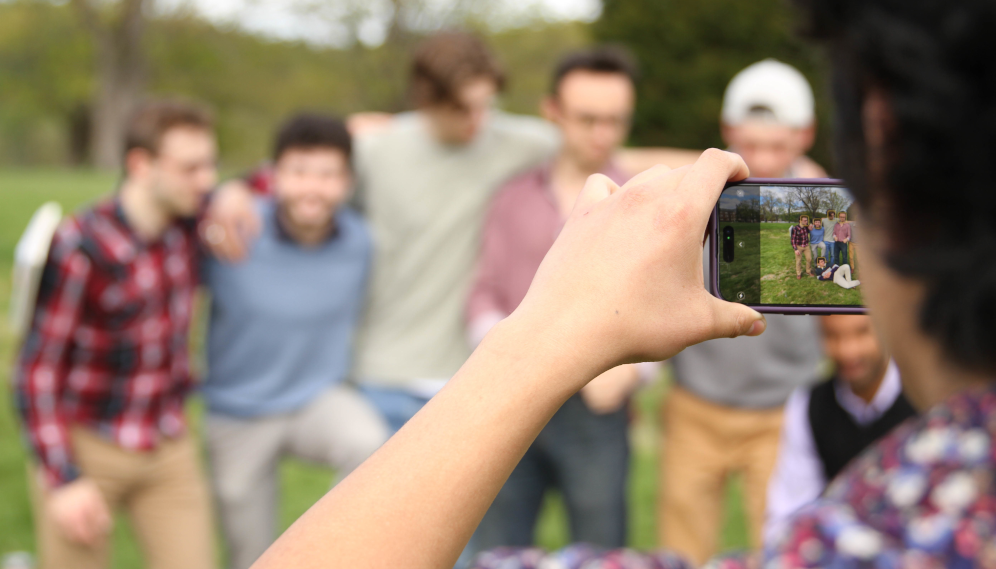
x=790, y=245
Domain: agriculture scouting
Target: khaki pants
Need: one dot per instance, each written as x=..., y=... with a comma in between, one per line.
x=852, y=256
x=163, y=492
x=798, y=260
x=703, y=444
x=339, y=428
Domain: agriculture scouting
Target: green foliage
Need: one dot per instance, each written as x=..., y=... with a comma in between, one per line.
x=45, y=74
x=688, y=51
x=46, y=77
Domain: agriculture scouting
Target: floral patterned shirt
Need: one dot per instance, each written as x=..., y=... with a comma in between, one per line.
x=922, y=497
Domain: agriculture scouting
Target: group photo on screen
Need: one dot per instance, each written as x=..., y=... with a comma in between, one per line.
x=809, y=252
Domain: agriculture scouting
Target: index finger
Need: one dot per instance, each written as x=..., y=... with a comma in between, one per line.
x=705, y=180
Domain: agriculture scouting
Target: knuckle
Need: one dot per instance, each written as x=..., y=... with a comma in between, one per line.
x=635, y=197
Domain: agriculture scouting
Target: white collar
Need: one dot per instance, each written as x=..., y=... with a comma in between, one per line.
x=865, y=413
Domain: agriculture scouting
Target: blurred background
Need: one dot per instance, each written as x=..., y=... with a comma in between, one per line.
x=70, y=69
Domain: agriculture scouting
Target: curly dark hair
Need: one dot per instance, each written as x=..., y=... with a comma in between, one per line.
x=933, y=65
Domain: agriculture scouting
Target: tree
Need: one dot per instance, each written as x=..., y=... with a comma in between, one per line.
x=688, y=50
x=813, y=198
x=116, y=31
x=836, y=200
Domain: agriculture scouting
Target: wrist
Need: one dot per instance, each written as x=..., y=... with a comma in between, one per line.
x=554, y=359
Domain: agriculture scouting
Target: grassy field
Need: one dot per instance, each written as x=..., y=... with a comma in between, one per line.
x=22, y=191
x=741, y=276
x=778, y=282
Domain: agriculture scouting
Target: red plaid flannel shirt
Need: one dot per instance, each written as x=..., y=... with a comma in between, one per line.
x=108, y=345
x=800, y=237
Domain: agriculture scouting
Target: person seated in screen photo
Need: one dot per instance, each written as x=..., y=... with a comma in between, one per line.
x=800, y=244
x=829, y=424
x=840, y=274
x=841, y=238
x=817, y=247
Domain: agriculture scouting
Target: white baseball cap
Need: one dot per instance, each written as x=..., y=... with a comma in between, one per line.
x=769, y=85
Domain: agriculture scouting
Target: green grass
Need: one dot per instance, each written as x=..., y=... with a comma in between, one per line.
x=778, y=281
x=741, y=275
x=22, y=191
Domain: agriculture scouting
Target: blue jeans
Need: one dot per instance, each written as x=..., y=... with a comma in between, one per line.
x=586, y=457
x=830, y=248
x=398, y=406
x=839, y=254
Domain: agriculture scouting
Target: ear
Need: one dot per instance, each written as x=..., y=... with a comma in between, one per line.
x=550, y=109
x=137, y=162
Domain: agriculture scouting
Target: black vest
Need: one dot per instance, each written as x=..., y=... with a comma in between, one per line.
x=838, y=437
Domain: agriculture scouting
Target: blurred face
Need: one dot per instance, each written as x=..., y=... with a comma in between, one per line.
x=818, y=223
x=183, y=172
x=311, y=183
x=851, y=343
x=822, y=264
x=768, y=148
x=804, y=221
x=593, y=111
x=461, y=121
x=843, y=217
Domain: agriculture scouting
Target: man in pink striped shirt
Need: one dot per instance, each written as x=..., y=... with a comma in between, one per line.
x=583, y=451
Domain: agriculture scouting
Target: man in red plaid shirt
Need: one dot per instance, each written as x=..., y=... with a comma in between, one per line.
x=800, y=244
x=103, y=374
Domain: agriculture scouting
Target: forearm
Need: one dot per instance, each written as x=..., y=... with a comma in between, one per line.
x=416, y=502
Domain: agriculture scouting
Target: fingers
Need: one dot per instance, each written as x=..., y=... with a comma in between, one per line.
x=708, y=176
x=731, y=320
x=597, y=188
x=647, y=175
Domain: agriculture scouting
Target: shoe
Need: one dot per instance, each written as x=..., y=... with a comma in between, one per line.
x=798, y=277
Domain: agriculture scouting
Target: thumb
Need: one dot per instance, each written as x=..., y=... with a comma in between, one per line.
x=731, y=320
x=597, y=188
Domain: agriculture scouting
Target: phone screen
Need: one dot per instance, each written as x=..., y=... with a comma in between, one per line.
x=788, y=245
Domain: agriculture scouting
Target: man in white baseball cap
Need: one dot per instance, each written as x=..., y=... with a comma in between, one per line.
x=723, y=415
x=768, y=119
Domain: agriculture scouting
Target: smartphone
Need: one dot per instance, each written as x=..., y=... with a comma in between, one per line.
x=788, y=246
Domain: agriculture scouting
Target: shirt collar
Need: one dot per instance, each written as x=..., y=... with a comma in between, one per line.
x=866, y=413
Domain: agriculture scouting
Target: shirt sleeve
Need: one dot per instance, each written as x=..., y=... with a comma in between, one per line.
x=798, y=477
x=43, y=365
x=484, y=303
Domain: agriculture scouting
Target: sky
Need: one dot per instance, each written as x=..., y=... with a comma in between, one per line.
x=320, y=21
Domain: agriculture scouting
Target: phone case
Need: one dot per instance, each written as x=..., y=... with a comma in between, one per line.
x=714, y=258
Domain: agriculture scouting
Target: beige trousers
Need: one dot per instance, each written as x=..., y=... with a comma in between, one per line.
x=703, y=444
x=163, y=492
x=798, y=260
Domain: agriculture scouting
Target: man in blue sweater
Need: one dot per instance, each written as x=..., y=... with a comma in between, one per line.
x=280, y=337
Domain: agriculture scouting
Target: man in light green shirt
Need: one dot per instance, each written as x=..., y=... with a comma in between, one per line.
x=425, y=181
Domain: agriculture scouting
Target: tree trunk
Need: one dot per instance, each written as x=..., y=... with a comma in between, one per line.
x=120, y=71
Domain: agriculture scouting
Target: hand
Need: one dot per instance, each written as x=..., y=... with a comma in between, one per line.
x=80, y=512
x=610, y=391
x=232, y=222
x=623, y=282
x=361, y=124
